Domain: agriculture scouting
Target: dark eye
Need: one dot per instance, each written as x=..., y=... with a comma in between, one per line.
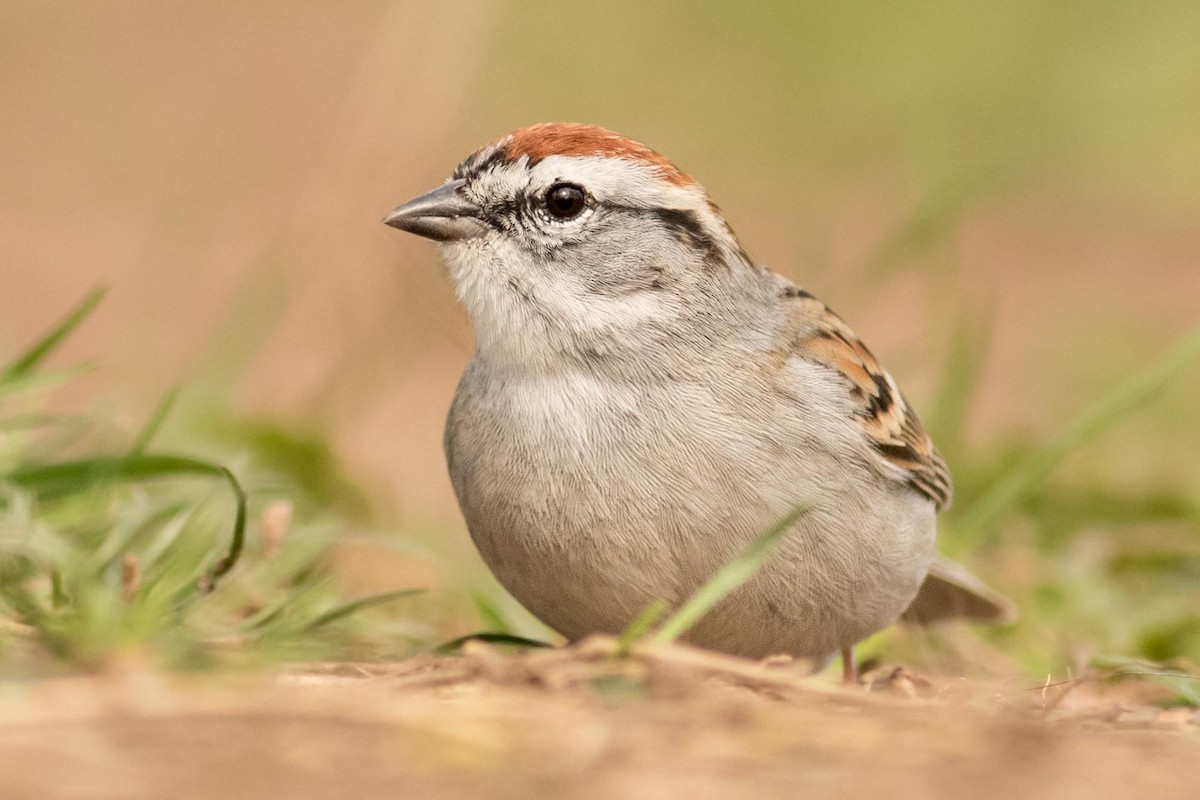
x=565, y=200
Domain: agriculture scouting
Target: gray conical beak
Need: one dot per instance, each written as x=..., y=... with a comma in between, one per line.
x=443, y=215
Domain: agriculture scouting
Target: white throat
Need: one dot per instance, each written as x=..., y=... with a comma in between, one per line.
x=530, y=322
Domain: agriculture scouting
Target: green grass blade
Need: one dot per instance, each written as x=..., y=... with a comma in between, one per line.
x=638, y=629
x=354, y=606
x=490, y=614
x=155, y=422
x=40, y=381
x=31, y=358
x=124, y=533
x=1033, y=470
x=728, y=578
x=274, y=615
x=454, y=645
x=27, y=422
x=60, y=476
x=68, y=476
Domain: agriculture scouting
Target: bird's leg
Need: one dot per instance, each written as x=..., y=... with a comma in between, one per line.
x=849, y=666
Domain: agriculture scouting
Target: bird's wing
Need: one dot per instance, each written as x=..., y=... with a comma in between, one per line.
x=821, y=336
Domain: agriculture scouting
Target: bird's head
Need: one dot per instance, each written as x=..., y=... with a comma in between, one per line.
x=568, y=239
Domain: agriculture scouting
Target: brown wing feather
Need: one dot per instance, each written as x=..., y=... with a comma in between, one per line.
x=892, y=425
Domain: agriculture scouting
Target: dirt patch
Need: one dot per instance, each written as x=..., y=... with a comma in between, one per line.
x=577, y=722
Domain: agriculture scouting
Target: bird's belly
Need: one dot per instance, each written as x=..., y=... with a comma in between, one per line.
x=587, y=513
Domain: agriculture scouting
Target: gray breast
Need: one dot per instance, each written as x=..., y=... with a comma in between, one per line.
x=589, y=500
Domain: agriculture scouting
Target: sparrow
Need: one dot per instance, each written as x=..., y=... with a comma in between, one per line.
x=644, y=400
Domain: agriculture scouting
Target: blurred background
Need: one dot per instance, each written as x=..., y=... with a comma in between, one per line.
x=1002, y=199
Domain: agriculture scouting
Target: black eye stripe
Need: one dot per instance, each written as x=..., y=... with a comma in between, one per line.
x=686, y=225
x=687, y=228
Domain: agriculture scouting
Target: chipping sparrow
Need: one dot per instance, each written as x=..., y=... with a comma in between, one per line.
x=644, y=400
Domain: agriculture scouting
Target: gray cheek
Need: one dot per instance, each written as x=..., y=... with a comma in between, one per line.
x=623, y=276
x=621, y=256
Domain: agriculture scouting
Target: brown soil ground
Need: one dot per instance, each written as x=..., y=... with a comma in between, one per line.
x=577, y=722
